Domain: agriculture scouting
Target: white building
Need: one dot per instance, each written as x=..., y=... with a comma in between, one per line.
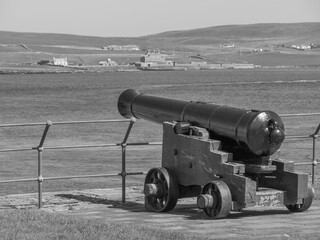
x=108, y=63
x=60, y=61
x=230, y=45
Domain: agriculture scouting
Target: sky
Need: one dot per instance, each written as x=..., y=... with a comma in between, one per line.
x=134, y=18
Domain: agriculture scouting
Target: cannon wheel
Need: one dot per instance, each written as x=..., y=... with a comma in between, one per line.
x=167, y=190
x=306, y=202
x=221, y=196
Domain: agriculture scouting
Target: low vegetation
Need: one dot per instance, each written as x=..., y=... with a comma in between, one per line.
x=36, y=225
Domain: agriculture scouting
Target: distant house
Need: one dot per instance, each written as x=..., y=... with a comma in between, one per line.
x=301, y=47
x=121, y=47
x=130, y=48
x=230, y=45
x=60, y=61
x=113, y=47
x=153, y=57
x=199, y=64
x=108, y=63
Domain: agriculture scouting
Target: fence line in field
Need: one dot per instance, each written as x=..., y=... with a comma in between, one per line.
x=123, y=145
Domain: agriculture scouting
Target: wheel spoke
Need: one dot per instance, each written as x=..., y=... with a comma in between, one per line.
x=221, y=199
x=167, y=194
x=158, y=175
x=161, y=202
x=153, y=177
x=162, y=177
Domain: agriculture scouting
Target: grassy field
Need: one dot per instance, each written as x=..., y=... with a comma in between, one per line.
x=36, y=225
x=67, y=97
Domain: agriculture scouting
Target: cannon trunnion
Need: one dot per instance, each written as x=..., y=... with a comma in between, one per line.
x=224, y=156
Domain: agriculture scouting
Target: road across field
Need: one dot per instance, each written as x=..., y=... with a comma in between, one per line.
x=105, y=204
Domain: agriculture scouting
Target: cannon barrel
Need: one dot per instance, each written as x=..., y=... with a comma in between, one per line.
x=258, y=132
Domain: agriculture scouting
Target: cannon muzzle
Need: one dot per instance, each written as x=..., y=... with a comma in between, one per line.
x=258, y=132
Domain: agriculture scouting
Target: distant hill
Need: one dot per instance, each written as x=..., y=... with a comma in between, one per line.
x=299, y=33
x=57, y=39
x=271, y=37
x=288, y=33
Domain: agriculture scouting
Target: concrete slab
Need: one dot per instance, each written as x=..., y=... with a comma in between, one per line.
x=105, y=204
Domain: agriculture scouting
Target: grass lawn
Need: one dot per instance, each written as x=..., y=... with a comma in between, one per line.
x=67, y=97
x=63, y=97
x=34, y=224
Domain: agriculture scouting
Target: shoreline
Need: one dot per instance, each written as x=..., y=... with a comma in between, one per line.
x=95, y=69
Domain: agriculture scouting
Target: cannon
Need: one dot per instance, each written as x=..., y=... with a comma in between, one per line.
x=226, y=157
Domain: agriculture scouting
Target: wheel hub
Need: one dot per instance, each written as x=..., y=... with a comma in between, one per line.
x=153, y=189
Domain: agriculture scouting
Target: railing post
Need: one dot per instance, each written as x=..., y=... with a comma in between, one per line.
x=123, y=171
x=123, y=149
x=39, y=148
x=314, y=160
x=40, y=178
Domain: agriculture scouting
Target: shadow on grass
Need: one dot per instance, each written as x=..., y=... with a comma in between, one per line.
x=192, y=212
x=128, y=205
x=187, y=211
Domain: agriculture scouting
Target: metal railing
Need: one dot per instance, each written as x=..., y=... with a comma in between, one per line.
x=40, y=148
x=314, y=136
x=123, y=146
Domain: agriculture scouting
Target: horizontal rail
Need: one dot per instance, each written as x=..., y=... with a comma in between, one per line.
x=84, y=146
x=302, y=163
x=17, y=150
x=298, y=137
x=63, y=123
x=23, y=124
x=105, y=145
x=123, y=146
x=144, y=143
x=19, y=180
x=93, y=176
x=136, y=173
x=92, y=121
x=71, y=177
x=82, y=176
x=299, y=114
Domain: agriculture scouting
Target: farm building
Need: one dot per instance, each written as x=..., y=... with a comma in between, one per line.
x=122, y=47
x=301, y=47
x=153, y=57
x=60, y=61
x=109, y=63
x=230, y=45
